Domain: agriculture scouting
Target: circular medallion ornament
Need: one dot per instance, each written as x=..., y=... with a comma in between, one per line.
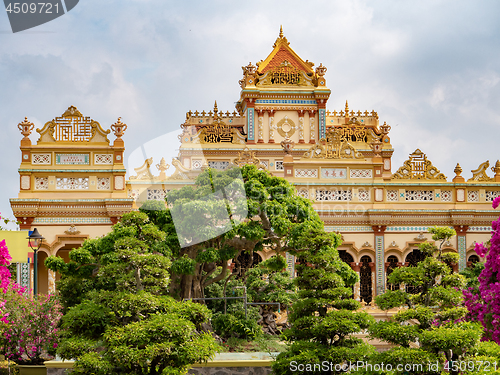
x=286, y=127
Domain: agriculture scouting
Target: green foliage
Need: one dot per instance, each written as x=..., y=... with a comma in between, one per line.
x=459, y=338
x=433, y=317
x=268, y=282
x=269, y=213
x=324, y=318
x=229, y=325
x=471, y=275
x=400, y=334
x=119, y=317
x=184, y=265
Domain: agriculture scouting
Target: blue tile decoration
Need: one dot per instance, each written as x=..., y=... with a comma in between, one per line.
x=353, y=228
x=407, y=229
x=379, y=255
x=462, y=252
x=322, y=124
x=250, y=124
x=72, y=220
x=72, y=159
x=479, y=229
x=24, y=275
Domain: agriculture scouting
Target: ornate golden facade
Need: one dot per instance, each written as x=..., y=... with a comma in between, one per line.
x=339, y=159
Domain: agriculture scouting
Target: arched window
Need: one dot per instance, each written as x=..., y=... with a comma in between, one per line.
x=473, y=259
x=347, y=258
x=412, y=260
x=393, y=264
x=450, y=265
x=365, y=275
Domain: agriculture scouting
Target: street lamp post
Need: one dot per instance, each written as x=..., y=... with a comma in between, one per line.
x=35, y=241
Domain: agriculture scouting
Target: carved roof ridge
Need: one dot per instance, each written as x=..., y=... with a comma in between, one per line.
x=418, y=167
x=72, y=126
x=282, y=44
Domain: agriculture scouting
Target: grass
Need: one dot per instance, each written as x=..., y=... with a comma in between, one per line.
x=264, y=343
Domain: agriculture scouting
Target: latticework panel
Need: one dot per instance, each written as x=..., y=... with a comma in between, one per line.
x=156, y=194
x=41, y=159
x=360, y=173
x=41, y=183
x=103, y=159
x=473, y=196
x=134, y=194
x=363, y=195
x=103, y=183
x=306, y=173
x=446, y=195
x=196, y=164
x=392, y=195
x=333, y=195
x=491, y=195
x=304, y=193
x=219, y=165
x=419, y=195
x=71, y=183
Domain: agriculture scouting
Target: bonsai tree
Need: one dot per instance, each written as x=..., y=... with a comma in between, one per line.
x=431, y=327
x=324, y=318
x=119, y=318
x=226, y=213
x=269, y=282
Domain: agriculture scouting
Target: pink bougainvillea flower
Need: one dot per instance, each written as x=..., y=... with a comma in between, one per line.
x=496, y=202
x=480, y=249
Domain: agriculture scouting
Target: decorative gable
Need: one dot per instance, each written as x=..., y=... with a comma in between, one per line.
x=283, y=52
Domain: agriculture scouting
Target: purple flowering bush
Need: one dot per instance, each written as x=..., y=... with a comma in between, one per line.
x=28, y=327
x=484, y=304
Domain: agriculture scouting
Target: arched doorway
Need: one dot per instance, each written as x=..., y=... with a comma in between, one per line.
x=63, y=252
x=412, y=260
x=365, y=275
x=43, y=273
x=473, y=259
x=347, y=258
x=393, y=264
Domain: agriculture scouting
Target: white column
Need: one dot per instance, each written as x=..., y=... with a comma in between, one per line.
x=312, y=128
x=261, y=128
x=271, y=127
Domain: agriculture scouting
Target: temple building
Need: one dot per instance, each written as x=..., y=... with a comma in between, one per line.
x=73, y=186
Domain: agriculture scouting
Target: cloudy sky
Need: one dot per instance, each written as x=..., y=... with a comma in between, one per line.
x=430, y=68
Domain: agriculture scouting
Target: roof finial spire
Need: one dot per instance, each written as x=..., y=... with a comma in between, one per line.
x=281, y=31
x=216, y=111
x=346, y=109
